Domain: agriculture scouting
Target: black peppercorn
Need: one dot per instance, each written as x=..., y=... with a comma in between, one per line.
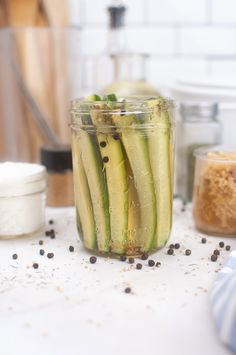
x=14, y=256
x=123, y=258
x=221, y=244
x=170, y=251
x=188, y=252
x=213, y=257
x=144, y=256
x=216, y=252
x=92, y=259
x=41, y=252
x=139, y=266
x=35, y=265
x=131, y=260
x=105, y=159
x=71, y=248
x=151, y=262
x=127, y=290
x=103, y=144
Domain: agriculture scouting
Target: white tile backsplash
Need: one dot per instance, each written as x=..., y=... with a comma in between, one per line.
x=135, y=11
x=153, y=40
x=162, y=72
x=94, y=40
x=177, y=11
x=208, y=40
x=224, y=11
x=183, y=37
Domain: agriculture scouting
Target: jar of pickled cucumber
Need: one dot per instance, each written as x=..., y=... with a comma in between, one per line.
x=123, y=172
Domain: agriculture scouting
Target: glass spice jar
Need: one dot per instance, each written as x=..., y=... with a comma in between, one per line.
x=214, y=200
x=198, y=127
x=58, y=161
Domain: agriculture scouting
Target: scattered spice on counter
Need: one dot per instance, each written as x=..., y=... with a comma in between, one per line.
x=171, y=246
x=47, y=233
x=203, y=240
x=71, y=248
x=158, y=264
x=170, y=251
x=144, y=256
x=14, y=256
x=131, y=260
x=214, y=257
x=221, y=244
x=41, y=242
x=50, y=255
x=52, y=234
x=41, y=252
x=188, y=252
x=151, y=262
x=139, y=266
x=35, y=265
x=123, y=258
x=216, y=252
x=228, y=247
x=177, y=245
x=50, y=221
x=93, y=259
x=127, y=290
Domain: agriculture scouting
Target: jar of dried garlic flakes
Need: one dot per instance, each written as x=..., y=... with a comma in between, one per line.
x=214, y=202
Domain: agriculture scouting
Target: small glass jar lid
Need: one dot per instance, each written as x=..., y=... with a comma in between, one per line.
x=17, y=179
x=56, y=158
x=217, y=154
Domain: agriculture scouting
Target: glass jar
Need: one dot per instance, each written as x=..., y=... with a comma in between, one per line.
x=198, y=127
x=214, y=201
x=58, y=161
x=22, y=199
x=123, y=173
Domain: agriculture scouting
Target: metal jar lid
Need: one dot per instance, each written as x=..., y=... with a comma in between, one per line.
x=56, y=158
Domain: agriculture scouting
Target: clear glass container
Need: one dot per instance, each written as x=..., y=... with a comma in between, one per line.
x=214, y=200
x=198, y=126
x=129, y=74
x=40, y=71
x=58, y=161
x=123, y=173
x=22, y=199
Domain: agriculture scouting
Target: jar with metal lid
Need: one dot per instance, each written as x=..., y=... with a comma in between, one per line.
x=198, y=126
x=58, y=161
x=22, y=199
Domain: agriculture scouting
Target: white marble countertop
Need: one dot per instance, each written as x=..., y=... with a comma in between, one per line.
x=69, y=306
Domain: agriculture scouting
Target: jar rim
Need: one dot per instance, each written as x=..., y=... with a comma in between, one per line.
x=136, y=102
x=223, y=151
